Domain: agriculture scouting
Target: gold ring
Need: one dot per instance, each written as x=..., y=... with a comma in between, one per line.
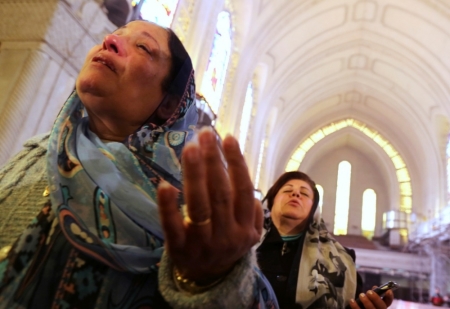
x=201, y=223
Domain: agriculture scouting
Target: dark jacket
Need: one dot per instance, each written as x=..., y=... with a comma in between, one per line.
x=282, y=269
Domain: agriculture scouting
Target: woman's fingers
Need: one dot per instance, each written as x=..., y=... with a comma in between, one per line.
x=353, y=304
x=388, y=298
x=379, y=302
x=241, y=184
x=373, y=300
x=220, y=207
x=195, y=192
x=171, y=220
x=366, y=301
x=217, y=182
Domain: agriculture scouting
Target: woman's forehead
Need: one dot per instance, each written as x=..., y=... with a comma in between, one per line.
x=297, y=183
x=146, y=29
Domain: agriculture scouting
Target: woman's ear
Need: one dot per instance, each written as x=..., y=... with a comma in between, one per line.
x=167, y=107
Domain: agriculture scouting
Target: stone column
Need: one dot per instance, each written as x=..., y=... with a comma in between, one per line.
x=43, y=44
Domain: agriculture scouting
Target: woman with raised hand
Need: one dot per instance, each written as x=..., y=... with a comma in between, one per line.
x=107, y=187
x=305, y=265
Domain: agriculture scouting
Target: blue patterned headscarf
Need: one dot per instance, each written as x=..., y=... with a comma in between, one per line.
x=104, y=194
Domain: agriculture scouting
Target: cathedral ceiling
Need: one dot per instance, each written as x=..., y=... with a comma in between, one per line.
x=385, y=63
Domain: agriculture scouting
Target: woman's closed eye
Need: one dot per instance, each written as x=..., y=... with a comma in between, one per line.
x=145, y=48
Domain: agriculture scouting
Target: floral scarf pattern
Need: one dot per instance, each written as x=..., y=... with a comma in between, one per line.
x=101, y=218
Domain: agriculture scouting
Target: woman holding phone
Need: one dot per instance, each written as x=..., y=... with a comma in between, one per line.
x=305, y=265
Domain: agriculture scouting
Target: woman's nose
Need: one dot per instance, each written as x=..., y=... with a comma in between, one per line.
x=114, y=43
x=295, y=193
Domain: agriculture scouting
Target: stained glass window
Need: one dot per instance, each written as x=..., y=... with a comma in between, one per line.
x=342, y=198
x=320, y=189
x=214, y=78
x=246, y=115
x=448, y=169
x=258, y=167
x=157, y=11
x=369, y=211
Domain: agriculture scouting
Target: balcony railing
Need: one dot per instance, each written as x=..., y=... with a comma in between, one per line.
x=438, y=227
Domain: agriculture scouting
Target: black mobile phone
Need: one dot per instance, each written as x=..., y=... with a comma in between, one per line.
x=381, y=290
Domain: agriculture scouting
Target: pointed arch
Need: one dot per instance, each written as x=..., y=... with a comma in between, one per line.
x=402, y=172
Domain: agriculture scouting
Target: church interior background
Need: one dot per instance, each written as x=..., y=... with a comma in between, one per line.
x=353, y=92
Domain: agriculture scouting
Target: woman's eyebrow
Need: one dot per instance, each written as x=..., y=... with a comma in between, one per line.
x=144, y=33
x=148, y=35
x=301, y=187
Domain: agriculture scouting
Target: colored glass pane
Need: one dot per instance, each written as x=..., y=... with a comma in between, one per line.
x=448, y=169
x=159, y=11
x=258, y=167
x=246, y=115
x=214, y=78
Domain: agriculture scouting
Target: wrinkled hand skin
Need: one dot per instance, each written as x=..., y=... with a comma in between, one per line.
x=205, y=253
x=371, y=300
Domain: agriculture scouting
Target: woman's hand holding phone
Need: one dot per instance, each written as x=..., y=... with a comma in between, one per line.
x=377, y=298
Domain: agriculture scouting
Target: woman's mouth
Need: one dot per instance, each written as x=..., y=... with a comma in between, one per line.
x=294, y=203
x=105, y=62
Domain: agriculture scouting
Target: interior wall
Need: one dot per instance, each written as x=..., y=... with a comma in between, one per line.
x=39, y=60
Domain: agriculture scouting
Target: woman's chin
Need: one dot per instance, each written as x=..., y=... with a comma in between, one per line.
x=291, y=215
x=92, y=83
x=88, y=86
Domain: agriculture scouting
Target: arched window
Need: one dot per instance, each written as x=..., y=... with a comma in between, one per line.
x=369, y=211
x=258, y=167
x=157, y=11
x=342, y=198
x=246, y=115
x=448, y=170
x=214, y=78
x=320, y=189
